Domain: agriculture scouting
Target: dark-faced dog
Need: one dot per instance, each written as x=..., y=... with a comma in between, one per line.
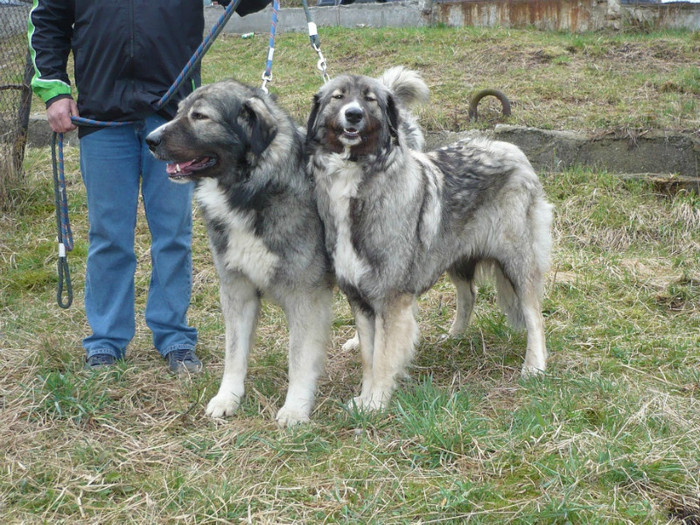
x=245, y=156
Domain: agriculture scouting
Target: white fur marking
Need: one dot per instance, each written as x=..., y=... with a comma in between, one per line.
x=344, y=179
x=246, y=252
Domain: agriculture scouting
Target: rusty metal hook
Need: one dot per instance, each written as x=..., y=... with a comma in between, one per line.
x=505, y=103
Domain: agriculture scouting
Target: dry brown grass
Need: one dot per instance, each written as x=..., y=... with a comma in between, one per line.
x=608, y=435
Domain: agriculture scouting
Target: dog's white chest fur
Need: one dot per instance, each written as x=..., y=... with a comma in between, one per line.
x=245, y=251
x=341, y=183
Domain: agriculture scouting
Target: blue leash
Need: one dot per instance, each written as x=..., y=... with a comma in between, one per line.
x=267, y=74
x=199, y=53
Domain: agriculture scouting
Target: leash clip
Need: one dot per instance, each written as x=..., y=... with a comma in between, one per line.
x=266, y=77
x=321, y=64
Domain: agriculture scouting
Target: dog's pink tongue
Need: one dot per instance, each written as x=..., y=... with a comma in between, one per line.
x=178, y=167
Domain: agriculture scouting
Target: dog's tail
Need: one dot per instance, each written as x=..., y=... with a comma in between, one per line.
x=407, y=85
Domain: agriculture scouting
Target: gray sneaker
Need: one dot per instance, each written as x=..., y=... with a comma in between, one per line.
x=98, y=361
x=184, y=360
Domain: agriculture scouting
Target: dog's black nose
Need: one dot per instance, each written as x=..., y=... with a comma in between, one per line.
x=153, y=139
x=353, y=115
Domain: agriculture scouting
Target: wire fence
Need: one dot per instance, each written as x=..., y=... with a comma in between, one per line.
x=15, y=93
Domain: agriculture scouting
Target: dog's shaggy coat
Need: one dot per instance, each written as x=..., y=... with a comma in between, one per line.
x=245, y=155
x=396, y=219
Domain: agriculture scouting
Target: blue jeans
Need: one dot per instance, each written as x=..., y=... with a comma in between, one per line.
x=115, y=164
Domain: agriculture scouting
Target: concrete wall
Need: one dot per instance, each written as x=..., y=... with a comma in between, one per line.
x=678, y=15
x=654, y=152
x=389, y=14
x=570, y=15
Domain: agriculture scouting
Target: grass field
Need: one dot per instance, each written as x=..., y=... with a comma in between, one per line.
x=609, y=435
x=600, y=82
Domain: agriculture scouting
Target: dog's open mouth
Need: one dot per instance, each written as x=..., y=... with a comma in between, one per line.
x=179, y=170
x=351, y=136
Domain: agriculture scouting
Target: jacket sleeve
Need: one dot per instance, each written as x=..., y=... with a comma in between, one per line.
x=50, y=29
x=245, y=7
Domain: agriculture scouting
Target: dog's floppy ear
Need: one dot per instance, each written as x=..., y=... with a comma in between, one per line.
x=393, y=114
x=311, y=124
x=256, y=117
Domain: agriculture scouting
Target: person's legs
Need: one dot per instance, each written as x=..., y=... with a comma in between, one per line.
x=110, y=166
x=168, y=208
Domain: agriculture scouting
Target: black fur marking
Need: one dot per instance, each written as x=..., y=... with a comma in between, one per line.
x=250, y=198
x=355, y=298
x=217, y=233
x=394, y=120
x=311, y=123
x=468, y=184
x=465, y=268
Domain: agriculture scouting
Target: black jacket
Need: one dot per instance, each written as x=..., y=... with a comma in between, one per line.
x=127, y=53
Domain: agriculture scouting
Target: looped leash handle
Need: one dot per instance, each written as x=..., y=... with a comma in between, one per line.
x=63, y=230
x=63, y=277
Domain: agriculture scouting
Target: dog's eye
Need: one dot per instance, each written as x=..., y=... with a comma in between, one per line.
x=370, y=98
x=196, y=115
x=339, y=96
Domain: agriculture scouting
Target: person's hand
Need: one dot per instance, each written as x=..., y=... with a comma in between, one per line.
x=59, y=114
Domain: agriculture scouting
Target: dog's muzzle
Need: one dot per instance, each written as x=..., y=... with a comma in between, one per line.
x=182, y=169
x=352, y=121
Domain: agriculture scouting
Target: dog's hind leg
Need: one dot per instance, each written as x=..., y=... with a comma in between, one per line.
x=536, y=353
x=309, y=318
x=240, y=305
x=523, y=271
x=395, y=336
x=462, y=276
x=519, y=296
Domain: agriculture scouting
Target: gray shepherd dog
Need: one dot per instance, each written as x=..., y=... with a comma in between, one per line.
x=246, y=158
x=396, y=219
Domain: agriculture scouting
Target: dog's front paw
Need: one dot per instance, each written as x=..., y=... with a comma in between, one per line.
x=529, y=371
x=288, y=416
x=222, y=405
x=370, y=403
x=351, y=344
